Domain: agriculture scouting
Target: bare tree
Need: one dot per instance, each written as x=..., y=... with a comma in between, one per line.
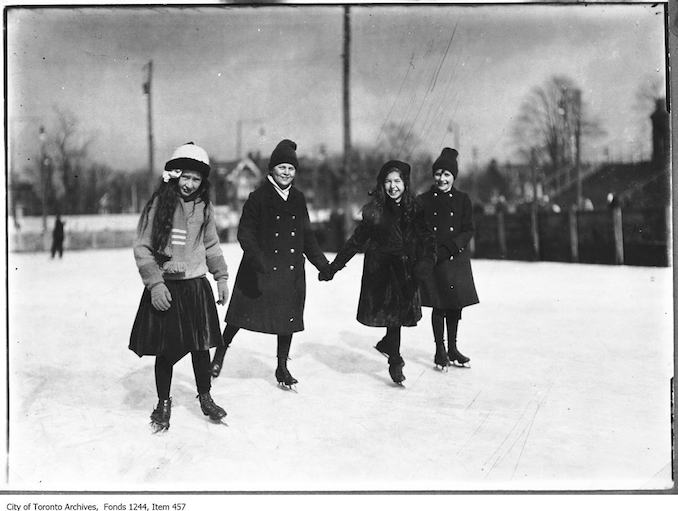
x=69, y=146
x=549, y=122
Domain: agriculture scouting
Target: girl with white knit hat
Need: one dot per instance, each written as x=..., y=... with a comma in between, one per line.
x=176, y=244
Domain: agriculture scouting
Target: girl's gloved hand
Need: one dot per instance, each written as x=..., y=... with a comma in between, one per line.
x=222, y=291
x=160, y=297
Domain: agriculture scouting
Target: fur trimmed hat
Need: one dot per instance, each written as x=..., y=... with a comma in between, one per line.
x=447, y=161
x=400, y=166
x=189, y=157
x=284, y=152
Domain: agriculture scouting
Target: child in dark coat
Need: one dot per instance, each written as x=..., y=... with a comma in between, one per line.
x=450, y=287
x=270, y=288
x=399, y=251
x=177, y=243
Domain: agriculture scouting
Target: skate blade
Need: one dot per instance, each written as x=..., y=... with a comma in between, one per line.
x=465, y=365
x=442, y=369
x=158, y=428
x=288, y=388
x=399, y=384
x=385, y=355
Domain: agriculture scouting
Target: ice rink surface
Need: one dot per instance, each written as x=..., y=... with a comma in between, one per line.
x=569, y=388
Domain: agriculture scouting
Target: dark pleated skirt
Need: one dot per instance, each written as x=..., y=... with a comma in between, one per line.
x=190, y=324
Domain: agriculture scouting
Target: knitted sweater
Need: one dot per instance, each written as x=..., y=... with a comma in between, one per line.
x=189, y=252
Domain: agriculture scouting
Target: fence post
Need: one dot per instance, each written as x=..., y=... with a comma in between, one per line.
x=535, y=234
x=618, y=235
x=574, y=234
x=501, y=234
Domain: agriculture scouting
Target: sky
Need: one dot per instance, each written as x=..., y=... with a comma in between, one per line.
x=454, y=75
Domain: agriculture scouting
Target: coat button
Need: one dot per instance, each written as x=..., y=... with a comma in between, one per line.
x=451, y=213
x=451, y=287
x=275, y=268
x=435, y=228
x=451, y=228
x=277, y=234
x=275, y=251
x=291, y=267
x=451, y=258
x=293, y=233
x=435, y=194
x=435, y=213
x=277, y=217
x=292, y=250
x=294, y=217
x=291, y=319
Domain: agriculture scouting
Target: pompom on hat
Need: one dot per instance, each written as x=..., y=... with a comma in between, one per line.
x=187, y=157
x=284, y=152
x=447, y=161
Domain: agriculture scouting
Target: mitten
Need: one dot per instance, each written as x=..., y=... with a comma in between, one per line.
x=160, y=297
x=222, y=291
x=328, y=272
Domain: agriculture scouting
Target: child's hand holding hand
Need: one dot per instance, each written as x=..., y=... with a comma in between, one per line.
x=222, y=291
x=160, y=297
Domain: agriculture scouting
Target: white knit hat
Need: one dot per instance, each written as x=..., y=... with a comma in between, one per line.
x=189, y=157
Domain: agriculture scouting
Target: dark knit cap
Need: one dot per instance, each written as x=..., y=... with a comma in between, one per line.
x=447, y=161
x=389, y=166
x=284, y=152
x=189, y=157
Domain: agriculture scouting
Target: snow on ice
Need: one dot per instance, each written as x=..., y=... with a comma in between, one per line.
x=569, y=388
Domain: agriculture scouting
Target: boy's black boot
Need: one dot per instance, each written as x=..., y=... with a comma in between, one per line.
x=441, y=359
x=210, y=408
x=456, y=356
x=395, y=368
x=160, y=417
x=283, y=375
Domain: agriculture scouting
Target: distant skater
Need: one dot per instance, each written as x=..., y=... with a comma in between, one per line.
x=270, y=288
x=176, y=244
x=399, y=251
x=450, y=287
x=58, y=237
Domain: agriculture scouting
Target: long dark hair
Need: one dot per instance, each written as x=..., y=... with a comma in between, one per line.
x=374, y=210
x=167, y=197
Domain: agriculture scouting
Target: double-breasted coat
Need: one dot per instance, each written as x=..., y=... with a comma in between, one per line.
x=270, y=288
x=451, y=284
x=395, y=249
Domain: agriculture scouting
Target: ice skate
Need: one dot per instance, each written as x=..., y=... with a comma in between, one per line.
x=218, y=361
x=441, y=359
x=160, y=417
x=215, y=412
x=382, y=347
x=395, y=369
x=285, y=380
x=456, y=357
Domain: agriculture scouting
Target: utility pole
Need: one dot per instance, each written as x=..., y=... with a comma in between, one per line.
x=147, y=91
x=577, y=137
x=348, y=220
x=43, y=178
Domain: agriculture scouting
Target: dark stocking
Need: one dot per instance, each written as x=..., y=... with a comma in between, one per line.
x=163, y=377
x=201, y=370
x=438, y=323
x=284, y=343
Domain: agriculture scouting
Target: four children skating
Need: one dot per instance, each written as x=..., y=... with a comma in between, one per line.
x=415, y=255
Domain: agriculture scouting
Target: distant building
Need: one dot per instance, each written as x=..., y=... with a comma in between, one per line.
x=234, y=181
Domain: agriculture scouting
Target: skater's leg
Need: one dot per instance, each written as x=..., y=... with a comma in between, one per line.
x=201, y=370
x=395, y=360
x=163, y=377
x=452, y=319
x=218, y=361
x=282, y=374
x=438, y=324
x=440, y=358
x=160, y=417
